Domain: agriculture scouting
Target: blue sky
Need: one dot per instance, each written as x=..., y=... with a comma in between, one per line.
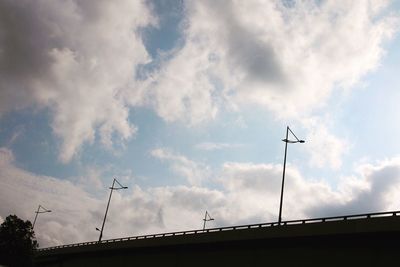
x=187, y=102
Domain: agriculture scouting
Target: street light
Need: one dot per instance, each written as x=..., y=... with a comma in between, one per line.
x=207, y=219
x=286, y=140
x=40, y=209
x=108, y=204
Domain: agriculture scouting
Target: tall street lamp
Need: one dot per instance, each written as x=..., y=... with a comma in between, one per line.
x=108, y=204
x=207, y=218
x=40, y=209
x=286, y=140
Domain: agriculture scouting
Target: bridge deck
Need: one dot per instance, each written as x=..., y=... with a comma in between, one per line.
x=368, y=231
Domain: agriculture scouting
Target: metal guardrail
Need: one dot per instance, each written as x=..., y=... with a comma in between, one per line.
x=233, y=228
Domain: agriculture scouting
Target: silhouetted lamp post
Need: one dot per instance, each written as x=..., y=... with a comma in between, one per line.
x=40, y=209
x=207, y=218
x=108, y=204
x=286, y=140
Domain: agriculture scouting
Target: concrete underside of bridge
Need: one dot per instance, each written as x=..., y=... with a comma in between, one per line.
x=357, y=242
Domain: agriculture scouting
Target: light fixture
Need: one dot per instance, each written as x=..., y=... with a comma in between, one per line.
x=40, y=209
x=207, y=218
x=286, y=140
x=112, y=188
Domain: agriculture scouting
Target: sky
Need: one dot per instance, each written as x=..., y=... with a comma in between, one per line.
x=186, y=103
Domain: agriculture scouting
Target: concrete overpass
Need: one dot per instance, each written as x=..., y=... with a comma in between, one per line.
x=357, y=240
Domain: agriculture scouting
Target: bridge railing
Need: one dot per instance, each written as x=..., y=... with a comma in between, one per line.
x=232, y=228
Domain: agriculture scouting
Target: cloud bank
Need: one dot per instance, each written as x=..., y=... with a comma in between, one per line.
x=74, y=59
x=78, y=61
x=287, y=58
x=247, y=193
x=195, y=173
x=211, y=146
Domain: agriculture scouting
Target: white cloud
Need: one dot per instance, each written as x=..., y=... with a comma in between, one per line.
x=287, y=59
x=377, y=188
x=210, y=146
x=15, y=136
x=78, y=60
x=75, y=212
x=91, y=181
x=255, y=190
x=194, y=172
x=75, y=59
x=72, y=208
x=6, y=155
x=324, y=148
x=246, y=193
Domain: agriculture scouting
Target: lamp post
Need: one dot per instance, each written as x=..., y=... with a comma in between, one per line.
x=207, y=219
x=108, y=204
x=40, y=209
x=286, y=140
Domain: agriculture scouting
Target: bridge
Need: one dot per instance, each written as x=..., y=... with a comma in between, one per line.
x=371, y=239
